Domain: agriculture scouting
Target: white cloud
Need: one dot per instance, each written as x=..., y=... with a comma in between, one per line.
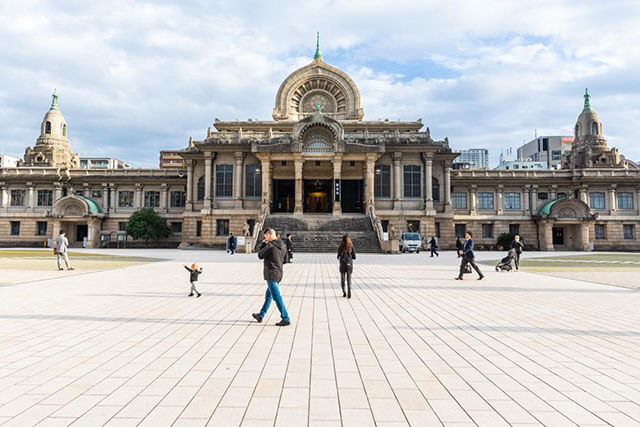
x=135, y=78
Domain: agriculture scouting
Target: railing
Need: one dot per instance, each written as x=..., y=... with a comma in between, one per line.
x=375, y=223
x=258, y=227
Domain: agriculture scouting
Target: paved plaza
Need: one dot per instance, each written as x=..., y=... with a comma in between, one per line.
x=126, y=346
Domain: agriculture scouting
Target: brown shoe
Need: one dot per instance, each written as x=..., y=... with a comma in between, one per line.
x=481, y=277
x=458, y=278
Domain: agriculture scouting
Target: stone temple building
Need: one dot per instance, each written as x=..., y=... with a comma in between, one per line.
x=319, y=169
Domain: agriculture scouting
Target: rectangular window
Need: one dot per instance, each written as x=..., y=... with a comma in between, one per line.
x=224, y=181
x=41, y=228
x=485, y=200
x=45, y=197
x=437, y=229
x=625, y=200
x=253, y=181
x=514, y=229
x=198, y=228
x=176, y=229
x=96, y=194
x=382, y=181
x=177, y=199
x=222, y=227
x=151, y=199
x=562, y=196
x=122, y=226
x=459, y=200
x=461, y=229
x=556, y=155
x=599, y=229
x=17, y=197
x=627, y=231
x=411, y=181
x=512, y=201
x=596, y=200
x=125, y=199
x=543, y=195
x=545, y=144
x=15, y=228
x=487, y=231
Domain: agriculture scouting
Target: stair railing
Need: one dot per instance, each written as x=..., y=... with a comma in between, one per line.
x=257, y=229
x=375, y=223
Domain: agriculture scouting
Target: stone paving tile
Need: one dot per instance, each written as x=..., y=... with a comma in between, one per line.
x=412, y=347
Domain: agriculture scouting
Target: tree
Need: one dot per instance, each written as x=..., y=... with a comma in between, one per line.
x=505, y=239
x=146, y=225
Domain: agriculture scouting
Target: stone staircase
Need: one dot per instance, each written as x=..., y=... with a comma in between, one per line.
x=322, y=233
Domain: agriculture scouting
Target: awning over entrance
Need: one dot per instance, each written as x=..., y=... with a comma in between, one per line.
x=570, y=208
x=76, y=206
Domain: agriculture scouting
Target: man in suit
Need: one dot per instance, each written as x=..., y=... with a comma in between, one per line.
x=468, y=257
x=62, y=243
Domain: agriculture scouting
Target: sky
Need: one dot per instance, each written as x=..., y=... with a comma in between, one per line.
x=136, y=77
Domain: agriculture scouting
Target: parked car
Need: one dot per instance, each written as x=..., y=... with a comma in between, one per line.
x=410, y=242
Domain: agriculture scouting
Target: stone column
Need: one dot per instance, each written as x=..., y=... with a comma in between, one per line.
x=553, y=194
x=428, y=182
x=298, y=164
x=139, y=198
x=637, y=200
x=583, y=194
x=266, y=182
x=337, y=176
x=473, y=200
x=105, y=198
x=525, y=199
x=499, y=200
x=114, y=197
x=447, y=187
x=4, y=197
x=237, y=180
x=546, y=236
x=86, y=191
x=534, y=200
x=57, y=192
x=613, y=205
x=31, y=195
x=189, y=202
x=207, y=180
x=397, y=180
x=164, y=197
x=583, y=232
x=369, y=176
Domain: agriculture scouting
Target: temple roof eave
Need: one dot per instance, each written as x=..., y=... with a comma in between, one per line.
x=287, y=125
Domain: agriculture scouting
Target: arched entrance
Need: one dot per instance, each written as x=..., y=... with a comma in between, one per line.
x=80, y=218
x=563, y=224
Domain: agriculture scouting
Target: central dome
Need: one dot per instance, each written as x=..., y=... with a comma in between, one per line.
x=318, y=84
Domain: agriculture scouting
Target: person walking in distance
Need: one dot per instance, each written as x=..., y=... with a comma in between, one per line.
x=231, y=244
x=468, y=257
x=346, y=256
x=289, y=243
x=273, y=252
x=194, y=272
x=62, y=243
x=519, y=248
x=433, y=246
x=459, y=247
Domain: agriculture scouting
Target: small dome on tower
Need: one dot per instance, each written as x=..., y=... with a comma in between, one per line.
x=54, y=122
x=588, y=122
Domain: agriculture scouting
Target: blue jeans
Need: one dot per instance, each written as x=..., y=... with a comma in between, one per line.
x=273, y=292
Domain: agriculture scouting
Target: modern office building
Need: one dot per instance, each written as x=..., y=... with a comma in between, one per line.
x=506, y=162
x=475, y=158
x=7, y=161
x=171, y=159
x=102, y=163
x=549, y=149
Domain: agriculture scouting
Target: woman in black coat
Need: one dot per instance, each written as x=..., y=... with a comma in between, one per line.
x=346, y=255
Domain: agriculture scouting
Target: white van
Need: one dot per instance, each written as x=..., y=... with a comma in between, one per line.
x=410, y=242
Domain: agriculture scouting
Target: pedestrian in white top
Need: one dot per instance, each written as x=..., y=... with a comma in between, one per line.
x=61, y=251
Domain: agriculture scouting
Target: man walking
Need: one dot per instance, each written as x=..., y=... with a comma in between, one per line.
x=433, y=246
x=519, y=248
x=61, y=251
x=231, y=244
x=468, y=257
x=273, y=252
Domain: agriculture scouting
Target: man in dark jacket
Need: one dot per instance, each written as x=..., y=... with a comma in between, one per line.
x=519, y=248
x=231, y=244
x=459, y=247
x=468, y=257
x=273, y=252
x=433, y=246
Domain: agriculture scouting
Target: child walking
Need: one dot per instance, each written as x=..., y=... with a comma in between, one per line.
x=195, y=272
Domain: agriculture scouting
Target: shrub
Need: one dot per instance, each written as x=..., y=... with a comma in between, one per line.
x=146, y=225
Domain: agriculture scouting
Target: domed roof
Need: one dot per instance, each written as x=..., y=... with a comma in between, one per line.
x=318, y=84
x=53, y=123
x=588, y=122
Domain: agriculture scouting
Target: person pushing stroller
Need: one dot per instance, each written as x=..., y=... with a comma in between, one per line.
x=505, y=263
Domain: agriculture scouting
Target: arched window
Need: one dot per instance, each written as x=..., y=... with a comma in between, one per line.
x=594, y=128
x=64, y=129
x=47, y=127
x=200, y=189
x=577, y=129
x=435, y=189
x=318, y=139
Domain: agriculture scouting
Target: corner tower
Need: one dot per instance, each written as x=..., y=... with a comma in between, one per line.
x=52, y=147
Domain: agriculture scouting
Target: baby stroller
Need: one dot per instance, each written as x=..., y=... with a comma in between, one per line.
x=505, y=263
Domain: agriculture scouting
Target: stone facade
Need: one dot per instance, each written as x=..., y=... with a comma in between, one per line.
x=319, y=157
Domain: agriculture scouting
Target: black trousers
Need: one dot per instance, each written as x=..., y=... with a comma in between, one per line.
x=516, y=260
x=346, y=275
x=471, y=261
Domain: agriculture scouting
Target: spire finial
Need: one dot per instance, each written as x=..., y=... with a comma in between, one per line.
x=587, y=100
x=54, y=100
x=318, y=54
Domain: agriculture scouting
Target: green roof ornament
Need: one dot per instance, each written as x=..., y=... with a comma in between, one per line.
x=54, y=101
x=318, y=54
x=587, y=100
x=317, y=107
